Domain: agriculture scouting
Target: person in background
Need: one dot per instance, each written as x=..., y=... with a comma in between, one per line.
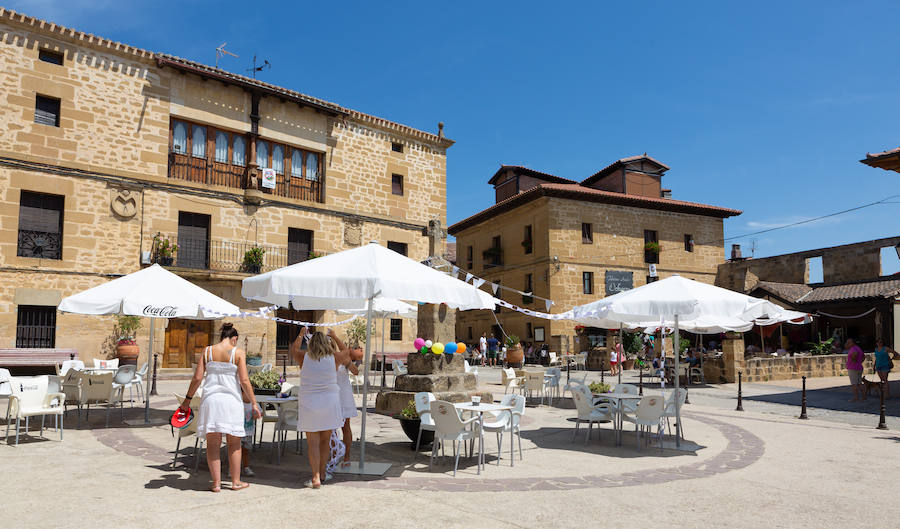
x=348, y=405
x=883, y=363
x=247, y=440
x=223, y=373
x=483, y=347
x=493, y=347
x=529, y=352
x=855, y=359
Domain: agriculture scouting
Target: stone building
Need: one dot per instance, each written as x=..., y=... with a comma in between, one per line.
x=576, y=241
x=108, y=152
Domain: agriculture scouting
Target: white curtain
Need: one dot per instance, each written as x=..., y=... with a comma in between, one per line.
x=278, y=159
x=297, y=163
x=221, y=147
x=237, y=156
x=312, y=166
x=179, y=141
x=262, y=153
x=198, y=143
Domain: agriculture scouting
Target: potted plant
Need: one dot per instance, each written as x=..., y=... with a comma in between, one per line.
x=265, y=383
x=598, y=387
x=356, y=335
x=253, y=260
x=514, y=354
x=652, y=247
x=127, y=350
x=410, y=422
x=165, y=250
x=313, y=255
x=254, y=359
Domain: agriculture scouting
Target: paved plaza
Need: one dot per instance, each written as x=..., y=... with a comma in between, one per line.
x=759, y=468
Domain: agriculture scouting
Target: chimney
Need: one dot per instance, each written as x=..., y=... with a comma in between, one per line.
x=736, y=252
x=440, y=129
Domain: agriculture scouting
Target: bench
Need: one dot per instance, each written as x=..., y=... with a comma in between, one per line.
x=35, y=357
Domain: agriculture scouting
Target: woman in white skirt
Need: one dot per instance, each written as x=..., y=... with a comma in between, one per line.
x=320, y=402
x=348, y=405
x=223, y=372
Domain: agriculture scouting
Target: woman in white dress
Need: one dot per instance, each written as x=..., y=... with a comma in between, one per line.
x=348, y=405
x=223, y=372
x=320, y=401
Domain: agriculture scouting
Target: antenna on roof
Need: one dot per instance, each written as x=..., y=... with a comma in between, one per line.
x=221, y=52
x=259, y=68
x=752, y=247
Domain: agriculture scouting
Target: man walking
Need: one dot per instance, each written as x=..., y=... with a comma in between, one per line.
x=493, y=346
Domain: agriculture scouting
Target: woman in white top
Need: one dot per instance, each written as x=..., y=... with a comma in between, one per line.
x=320, y=400
x=223, y=372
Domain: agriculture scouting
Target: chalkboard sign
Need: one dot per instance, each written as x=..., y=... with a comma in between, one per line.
x=618, y=281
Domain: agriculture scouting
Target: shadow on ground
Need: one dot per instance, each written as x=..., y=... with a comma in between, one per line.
x=834, y=399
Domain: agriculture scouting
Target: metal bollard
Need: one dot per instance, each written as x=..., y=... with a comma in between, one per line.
x=602, y=366
x=882, y=425
x=155, y=364
x=641, y=382
x=687, y=396
x=740, y=405
x=803, y=408
x=71, y=356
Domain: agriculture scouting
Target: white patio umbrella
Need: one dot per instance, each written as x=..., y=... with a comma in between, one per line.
x=153, y=292
x=354, y=279
x=675, y=301
x=385, y=308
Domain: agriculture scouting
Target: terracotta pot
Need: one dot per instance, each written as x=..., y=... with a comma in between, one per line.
x=127, y=354
x=254, y=360
x=628, y=364
x=515, y=356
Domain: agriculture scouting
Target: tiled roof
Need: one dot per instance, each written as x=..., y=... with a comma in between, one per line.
x=530, y=172
x=163, y=59
x=871, y=289
x=579, y=192
x=786, y=291
x=888, y=160
x=619, y=164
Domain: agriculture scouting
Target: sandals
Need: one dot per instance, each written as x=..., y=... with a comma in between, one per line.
x=242, y=485
x=215, y=488
x=309, y=484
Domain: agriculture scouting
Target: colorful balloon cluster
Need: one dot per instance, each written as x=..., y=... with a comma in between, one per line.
x=427, y=346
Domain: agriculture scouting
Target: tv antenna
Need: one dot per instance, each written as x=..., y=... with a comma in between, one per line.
x=221, y=52
x=752, y=247
x=261, y=67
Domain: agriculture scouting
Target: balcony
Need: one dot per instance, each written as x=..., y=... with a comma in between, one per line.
x=222, y=256
x=492, y=257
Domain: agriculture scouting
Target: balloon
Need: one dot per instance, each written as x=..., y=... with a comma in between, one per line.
x=418, y=344
x=428, y=343
x=460, y=348
x=437, y=348
x=450, y=348
x=423, y=350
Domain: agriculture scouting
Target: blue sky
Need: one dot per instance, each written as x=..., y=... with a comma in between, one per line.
x=763, y=106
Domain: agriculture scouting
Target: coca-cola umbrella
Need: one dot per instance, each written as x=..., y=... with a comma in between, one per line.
x=153, y=292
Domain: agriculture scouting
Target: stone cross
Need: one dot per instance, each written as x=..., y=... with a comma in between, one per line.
x=435, y=235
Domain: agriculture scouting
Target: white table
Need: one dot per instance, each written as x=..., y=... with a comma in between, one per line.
x=618, y=398
x=480, y=409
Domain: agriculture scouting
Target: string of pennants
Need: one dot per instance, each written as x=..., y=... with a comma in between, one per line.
x=477, y=282
x=263, y=314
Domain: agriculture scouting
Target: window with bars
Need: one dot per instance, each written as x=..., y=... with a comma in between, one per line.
x=651, y=247
x=587, y=233
x=587, y=279
x=40, y=225
x=46, y=110
x=397, y=184
x=193, y=240
x=396, y=329
x=300, y=244
x=688, y=242
x=36, y=327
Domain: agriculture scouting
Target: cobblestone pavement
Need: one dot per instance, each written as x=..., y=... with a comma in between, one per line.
x=762, y=467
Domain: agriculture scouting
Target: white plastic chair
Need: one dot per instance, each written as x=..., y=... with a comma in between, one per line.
x=5, y=385
x=106, y=364
x=29, y=397
x=669, y=410
x=581, y=360
x=398, y=369
x=510, y=381
x=589, y=412
x=648, y=414
x=138, y=380
x=628, y=406
x=266, y=367
x=96, y=389
x=189, y=430
x=551, y=383
x=554, y=359
x=449, y=427
x=70, y=385
x=124, y=378
x=472, y=370
x=534, y=382
x=508, y=421
x=70, y=364
x=286, y=421
x=572, y=383
x=423, y=400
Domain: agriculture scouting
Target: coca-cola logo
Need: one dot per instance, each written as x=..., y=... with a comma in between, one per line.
x=160, y=312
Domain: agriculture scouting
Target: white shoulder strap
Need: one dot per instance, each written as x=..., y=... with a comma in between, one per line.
x=231, y=359
x=208, y=354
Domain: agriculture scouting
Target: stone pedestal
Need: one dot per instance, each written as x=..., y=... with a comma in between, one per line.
x=437, y=323
x=733, y=356
x=443, y=375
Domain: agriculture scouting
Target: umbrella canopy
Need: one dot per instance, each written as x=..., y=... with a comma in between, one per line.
x=153, y=292
x=697, y=305
x=386, y=307
x=345, y=280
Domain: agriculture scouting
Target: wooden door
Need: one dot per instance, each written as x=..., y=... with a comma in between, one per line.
x=184, y=340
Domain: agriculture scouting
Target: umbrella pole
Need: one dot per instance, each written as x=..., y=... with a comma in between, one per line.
x=362, y=433
x=382, y=348
x=676, y=345
x=621, y=353
x=147, y=391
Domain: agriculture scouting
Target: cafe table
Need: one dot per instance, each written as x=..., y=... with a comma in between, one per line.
x=618, y=399
x=480, y=408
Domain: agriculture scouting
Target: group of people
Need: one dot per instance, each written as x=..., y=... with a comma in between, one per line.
x=884, y=362
x=229, y=408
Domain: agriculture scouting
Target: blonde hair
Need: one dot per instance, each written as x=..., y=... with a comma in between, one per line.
x=320, y=346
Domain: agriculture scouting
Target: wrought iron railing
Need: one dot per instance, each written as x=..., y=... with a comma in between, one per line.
x=226, y=256
x=40, y=244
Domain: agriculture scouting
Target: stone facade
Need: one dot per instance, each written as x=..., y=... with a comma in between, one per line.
x=559, y=258
x=110, y=155
x=784, y=368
